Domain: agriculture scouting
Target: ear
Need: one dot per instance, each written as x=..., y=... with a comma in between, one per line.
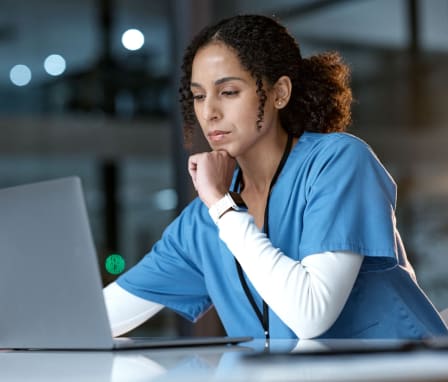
x=282, y=90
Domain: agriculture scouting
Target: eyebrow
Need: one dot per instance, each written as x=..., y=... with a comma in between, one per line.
x=220, y=81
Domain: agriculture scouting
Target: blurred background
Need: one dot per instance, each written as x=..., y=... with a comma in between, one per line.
x=89, y=88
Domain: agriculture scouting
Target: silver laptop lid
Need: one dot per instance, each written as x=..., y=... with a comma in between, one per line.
x=50, y=286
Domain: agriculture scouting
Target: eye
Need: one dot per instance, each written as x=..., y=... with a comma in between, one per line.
x=230, y=93
x=198, y=97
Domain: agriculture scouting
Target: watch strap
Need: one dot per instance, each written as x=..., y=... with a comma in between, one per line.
x=231, y=200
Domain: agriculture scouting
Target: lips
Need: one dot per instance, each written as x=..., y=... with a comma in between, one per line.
x=217, y=135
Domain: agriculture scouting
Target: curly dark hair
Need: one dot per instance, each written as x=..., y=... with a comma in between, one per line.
x=321, y=95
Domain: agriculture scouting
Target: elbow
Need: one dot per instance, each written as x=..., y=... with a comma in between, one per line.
x=119, y=329
x=315, y=321
x=312, y=328
x=310, y=331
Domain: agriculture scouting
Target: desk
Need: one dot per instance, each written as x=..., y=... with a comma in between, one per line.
x=222, y=363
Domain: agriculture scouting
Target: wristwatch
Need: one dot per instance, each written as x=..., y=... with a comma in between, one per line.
x=231, y=200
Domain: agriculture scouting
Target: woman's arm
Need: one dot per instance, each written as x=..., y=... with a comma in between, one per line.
x=309, y=295
x=125, y=310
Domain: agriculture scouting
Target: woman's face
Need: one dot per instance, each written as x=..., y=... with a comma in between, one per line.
x=226, y=101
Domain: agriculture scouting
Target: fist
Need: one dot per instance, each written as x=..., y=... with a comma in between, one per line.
x=211, y=173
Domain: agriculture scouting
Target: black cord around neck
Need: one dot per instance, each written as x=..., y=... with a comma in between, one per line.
x=263, y=317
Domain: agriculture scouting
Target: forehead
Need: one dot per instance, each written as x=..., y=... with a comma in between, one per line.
x=216, y=60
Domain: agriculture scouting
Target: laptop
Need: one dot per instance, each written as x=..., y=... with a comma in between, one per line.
x=50, y=285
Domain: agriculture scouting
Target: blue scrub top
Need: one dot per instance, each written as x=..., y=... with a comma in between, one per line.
x=333, y=195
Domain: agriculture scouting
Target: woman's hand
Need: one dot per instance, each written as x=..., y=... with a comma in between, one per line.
x=211, y=173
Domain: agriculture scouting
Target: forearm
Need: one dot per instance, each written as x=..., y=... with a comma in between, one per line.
x=309, y=295
x=125, y=310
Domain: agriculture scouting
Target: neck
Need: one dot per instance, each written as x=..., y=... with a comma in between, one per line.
x=260, y=165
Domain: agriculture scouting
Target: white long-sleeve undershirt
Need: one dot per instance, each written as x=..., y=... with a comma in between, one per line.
x=125, y=310
x=308, y=296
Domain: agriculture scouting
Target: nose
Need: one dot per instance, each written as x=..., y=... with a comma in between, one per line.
x=210, y=110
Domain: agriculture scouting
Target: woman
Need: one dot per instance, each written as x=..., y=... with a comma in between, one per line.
x=293, y=234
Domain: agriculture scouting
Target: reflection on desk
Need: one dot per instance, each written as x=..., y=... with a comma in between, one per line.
x=113, y=366
x=284, y=360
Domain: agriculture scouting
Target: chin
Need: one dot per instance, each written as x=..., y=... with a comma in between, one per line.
x=230, y=150
x=223, y=147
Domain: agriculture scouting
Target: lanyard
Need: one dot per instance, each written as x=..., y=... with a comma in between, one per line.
x=263, y=317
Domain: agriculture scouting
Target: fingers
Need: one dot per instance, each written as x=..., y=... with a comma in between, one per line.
x=192, y=169
x=211, y=173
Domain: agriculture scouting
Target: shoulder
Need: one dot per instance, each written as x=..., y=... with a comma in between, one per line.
x=342, y=155
x=188, y=229
x=194, y=212
x=192, y=216
x=334, y=142
x=322, y=149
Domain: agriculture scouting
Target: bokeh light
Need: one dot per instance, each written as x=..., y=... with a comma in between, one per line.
x=20, y=75
x=166, y=200
x=54, y=65
x=132, y=39
x=115, y=264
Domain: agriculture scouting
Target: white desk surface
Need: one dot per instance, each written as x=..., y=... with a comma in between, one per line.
x=223, y=363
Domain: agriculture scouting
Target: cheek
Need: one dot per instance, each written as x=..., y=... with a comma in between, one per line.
x=195, y=109
x=197, y=112
x=250, y=118
x=247, y=113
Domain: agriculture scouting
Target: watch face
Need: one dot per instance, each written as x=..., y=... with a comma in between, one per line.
x=115, y=264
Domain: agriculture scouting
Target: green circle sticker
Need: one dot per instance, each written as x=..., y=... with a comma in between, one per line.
x=115, y=264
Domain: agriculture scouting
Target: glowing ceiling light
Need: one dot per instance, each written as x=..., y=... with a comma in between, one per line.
x=132, y=39
x=54, y=65
x=20, y=75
